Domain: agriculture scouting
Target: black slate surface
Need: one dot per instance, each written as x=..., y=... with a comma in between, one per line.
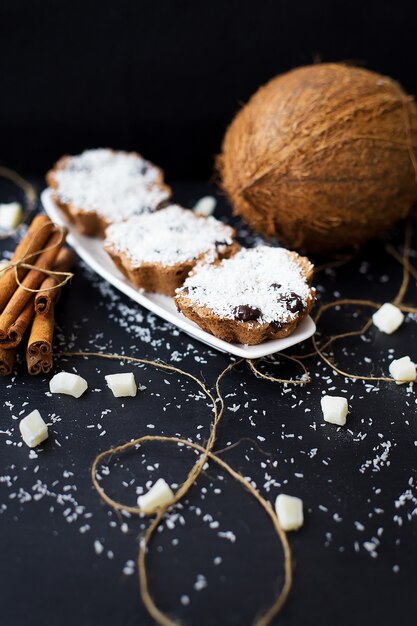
x=358, y=483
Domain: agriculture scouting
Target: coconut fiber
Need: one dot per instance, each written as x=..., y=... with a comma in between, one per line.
x=323, y=157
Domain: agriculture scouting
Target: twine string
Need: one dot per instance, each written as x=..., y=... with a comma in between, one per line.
x=404, y=259
x=30, y=255
x=393, y=252
x=160, y=617
x=218, y=406
x=302, y=381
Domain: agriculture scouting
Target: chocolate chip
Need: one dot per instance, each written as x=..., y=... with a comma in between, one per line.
x=276, y=286
x=275, y=326
x=294, y=303
x=246, y=313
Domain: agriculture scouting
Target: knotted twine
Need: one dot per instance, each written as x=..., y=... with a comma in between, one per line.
x=31, y=198
x=22, y=263
x=206, y=454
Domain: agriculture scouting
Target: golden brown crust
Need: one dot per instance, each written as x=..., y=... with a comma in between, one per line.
x=89, y=222
x=86, y=222
x=154, y=277
x=305, y=265
x=235, y=331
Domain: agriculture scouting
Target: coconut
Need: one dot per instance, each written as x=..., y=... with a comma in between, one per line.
x=323, y=157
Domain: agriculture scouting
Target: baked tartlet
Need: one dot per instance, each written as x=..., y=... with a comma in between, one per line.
x=100, y=187
x=156, y=251
x=258, y=294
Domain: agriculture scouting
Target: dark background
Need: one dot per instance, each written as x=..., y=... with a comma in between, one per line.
x=166, y=77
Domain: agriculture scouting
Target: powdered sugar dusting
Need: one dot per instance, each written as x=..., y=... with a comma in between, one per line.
x=169, y=236
x=112, y=184
x=263, y=278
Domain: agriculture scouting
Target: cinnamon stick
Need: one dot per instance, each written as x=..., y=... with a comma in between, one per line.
x=44, y=299
x=17, y=329
x=39, y=356
x=7, y=358
x=39, y=365
x=32, y=280
x=38, y=233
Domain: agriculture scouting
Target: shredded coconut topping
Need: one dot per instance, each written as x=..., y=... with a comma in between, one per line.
x=169, y=236
x=262, y=278
x=112, y=184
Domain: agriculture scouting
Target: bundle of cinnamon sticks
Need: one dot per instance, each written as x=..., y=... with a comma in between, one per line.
x=28, y=295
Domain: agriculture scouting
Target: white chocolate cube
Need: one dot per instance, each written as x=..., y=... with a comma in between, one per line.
x=205, y=206
x=70, y=384
x=289, y=510
x=122, y=384
x=334, y=409
x=33, y=429
x=388, y=318
x=10, y=215
x=160, y=494
x=403, y=370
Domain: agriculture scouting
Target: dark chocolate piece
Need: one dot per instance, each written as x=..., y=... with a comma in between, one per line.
x=275, y=326
x=246, y=313
x=294, y=303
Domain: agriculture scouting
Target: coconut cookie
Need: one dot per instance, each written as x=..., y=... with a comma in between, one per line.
x=103, y=186
x=156, y=251
x=258, y=294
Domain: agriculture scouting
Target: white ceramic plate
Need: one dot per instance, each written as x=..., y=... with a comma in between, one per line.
x=92, y=252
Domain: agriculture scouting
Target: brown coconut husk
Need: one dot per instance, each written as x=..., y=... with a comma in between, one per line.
x=323, y=157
